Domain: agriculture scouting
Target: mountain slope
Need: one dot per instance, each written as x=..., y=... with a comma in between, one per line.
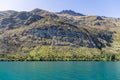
x=55, y=32
x=25, y=32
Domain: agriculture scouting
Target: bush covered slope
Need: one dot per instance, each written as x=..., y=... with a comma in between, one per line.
x=44, y=35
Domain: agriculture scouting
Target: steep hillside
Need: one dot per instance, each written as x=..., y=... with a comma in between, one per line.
x=23, y=35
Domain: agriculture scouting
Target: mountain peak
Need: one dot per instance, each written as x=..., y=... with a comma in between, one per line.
x=37, y=11
x=70, y=12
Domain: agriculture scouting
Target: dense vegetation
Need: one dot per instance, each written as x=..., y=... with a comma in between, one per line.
x=40, y=35
x=49, y=53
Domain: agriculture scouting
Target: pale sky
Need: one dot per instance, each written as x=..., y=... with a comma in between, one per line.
x=110, y=8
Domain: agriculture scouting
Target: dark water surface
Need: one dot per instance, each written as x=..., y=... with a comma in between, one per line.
x=73, y=70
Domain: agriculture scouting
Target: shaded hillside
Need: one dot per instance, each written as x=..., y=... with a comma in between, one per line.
x=70, y=12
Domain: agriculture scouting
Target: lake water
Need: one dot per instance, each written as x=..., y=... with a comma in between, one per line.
x=73, y=70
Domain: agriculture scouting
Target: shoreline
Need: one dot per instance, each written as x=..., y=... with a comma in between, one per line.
x=59, y=60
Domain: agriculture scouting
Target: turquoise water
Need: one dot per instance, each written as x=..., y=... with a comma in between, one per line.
x=60, y=70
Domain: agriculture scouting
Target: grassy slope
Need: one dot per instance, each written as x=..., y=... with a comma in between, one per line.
x=63, y=53
x=30, y=51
